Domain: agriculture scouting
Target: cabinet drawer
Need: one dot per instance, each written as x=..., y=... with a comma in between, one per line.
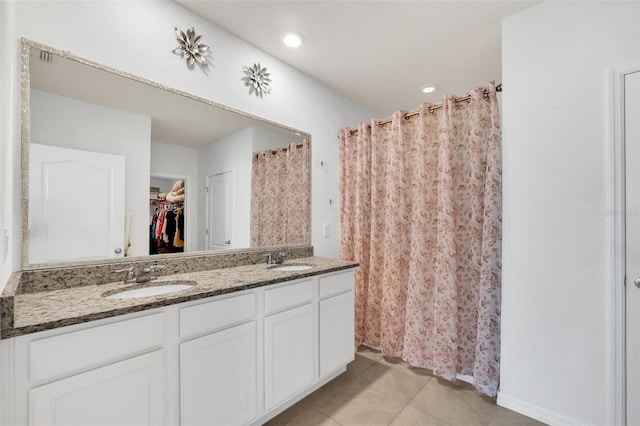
x=214, y=315
x=336, y=283
x=285, y=297
x=79, y=350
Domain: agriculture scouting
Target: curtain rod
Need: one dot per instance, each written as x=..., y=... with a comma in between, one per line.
x=275, y=151
x=485, y=93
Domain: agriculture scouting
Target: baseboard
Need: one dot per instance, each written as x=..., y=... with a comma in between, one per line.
x=298, y=397
x=537, y=413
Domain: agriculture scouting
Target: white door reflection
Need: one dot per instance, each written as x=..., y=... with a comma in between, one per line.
x=76, y=205
x=220, y=217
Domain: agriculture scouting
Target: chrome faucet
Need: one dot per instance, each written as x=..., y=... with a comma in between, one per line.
x=275, y=258
x=153, y=272
x=147, y=274
x=130, y=276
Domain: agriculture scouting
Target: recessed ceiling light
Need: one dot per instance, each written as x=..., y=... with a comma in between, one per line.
x=429, y=88
x=292, y=39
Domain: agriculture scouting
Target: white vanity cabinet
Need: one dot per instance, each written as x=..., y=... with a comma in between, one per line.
x=129, y=392
x=234, y=359
x=336, y=318
x=219, y=370
x=111, y=374
x=289, y=341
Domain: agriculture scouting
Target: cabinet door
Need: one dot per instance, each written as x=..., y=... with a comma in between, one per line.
x=218, y=378
x=336, y=332
x=289, y=353
x=60, y=229
x=129, y=392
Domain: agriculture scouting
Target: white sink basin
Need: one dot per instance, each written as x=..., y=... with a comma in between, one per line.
x=285, y=268
x=154, y=290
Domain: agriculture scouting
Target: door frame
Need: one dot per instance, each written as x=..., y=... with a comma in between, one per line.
x=617, y=312
x=189, y=203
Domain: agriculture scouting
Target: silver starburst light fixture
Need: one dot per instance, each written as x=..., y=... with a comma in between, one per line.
x=257, y=78
x=191, y=48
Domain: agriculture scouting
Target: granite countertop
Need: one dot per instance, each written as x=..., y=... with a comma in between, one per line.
x=39, y=311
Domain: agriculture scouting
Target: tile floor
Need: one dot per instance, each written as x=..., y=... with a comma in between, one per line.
x=380, y=391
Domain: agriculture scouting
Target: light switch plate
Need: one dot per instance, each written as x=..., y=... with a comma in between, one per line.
x=5, y=244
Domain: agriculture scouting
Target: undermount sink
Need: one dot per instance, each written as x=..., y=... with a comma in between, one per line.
x=290, y=267
x=151, y=290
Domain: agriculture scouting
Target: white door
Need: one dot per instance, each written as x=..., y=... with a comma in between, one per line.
x=126, y=393
x=76, y=204
x=288, y=355
x=218, y=377
x=219, y=208
x=632, y=221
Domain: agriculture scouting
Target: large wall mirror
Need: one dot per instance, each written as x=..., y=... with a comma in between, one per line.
x=116, y=166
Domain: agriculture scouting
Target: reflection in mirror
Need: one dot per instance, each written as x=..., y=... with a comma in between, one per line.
x=279, y=183
x=119, y=166
x=167, y=228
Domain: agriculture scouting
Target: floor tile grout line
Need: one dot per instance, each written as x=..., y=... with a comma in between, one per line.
x=365, y=363
x=332, y=419
x=408, y=404
x=423, y=411
x=409, y=401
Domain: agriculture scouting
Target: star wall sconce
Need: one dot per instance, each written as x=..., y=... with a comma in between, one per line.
x=191, y=48
x=257, y=78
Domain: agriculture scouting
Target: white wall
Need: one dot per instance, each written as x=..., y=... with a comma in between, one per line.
x=9, y=145
x=181, y=162
x=231, y=153
x=264, y=139
x=69, y=123
x=137, y=37
x=556, y=221
x=8, y=198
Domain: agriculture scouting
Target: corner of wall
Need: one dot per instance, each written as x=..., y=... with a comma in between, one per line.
x=9, y=143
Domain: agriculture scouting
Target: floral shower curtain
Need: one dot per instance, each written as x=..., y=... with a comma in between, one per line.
x=280, y=196
x=421, y=213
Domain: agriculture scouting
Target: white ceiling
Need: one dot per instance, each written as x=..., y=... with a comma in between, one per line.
x=378, y=53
